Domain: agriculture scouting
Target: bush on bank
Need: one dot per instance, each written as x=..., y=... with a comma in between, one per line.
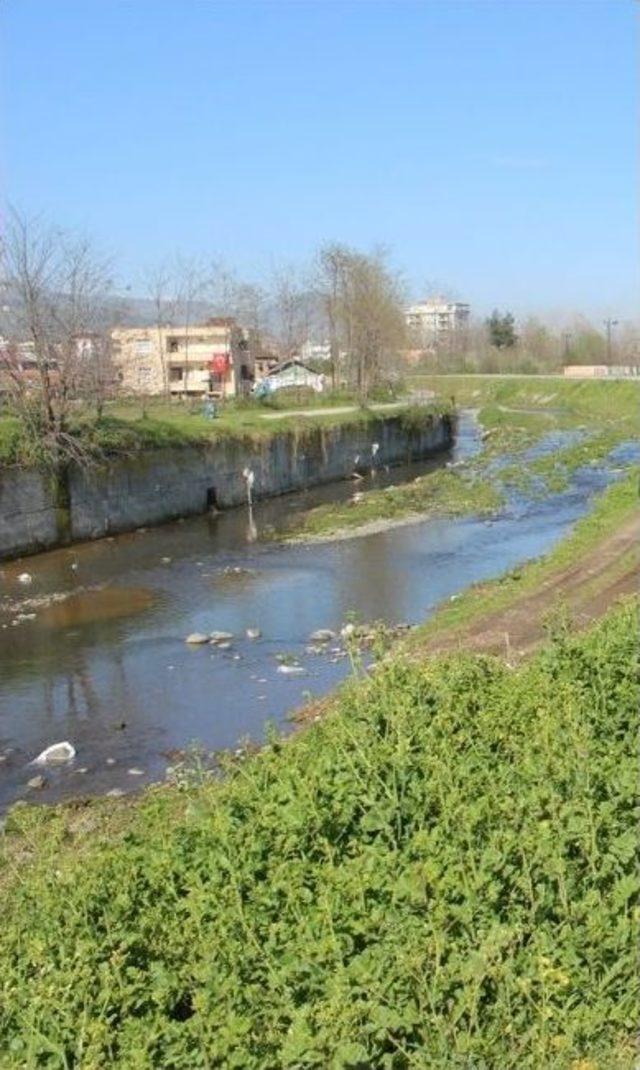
x=441, y=874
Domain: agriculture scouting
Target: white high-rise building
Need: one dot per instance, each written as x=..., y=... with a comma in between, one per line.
x=431, y=321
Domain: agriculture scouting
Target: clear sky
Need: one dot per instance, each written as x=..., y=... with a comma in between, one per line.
x=491, y=144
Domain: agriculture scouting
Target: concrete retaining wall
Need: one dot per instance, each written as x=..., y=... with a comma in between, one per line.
x=160, y=485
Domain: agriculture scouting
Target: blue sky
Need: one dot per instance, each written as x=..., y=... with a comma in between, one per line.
x=489, y=143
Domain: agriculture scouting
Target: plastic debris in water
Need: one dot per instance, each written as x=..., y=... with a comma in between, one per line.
x=57, y=752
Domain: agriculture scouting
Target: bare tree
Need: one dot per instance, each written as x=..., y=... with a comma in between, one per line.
x=194, y=284
x=292, y=311
x=55, y=308
x=363, y=304
x=331, y=275
x=249, y=307
x=162, y=288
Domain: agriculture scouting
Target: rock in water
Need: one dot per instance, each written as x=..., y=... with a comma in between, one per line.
x=220, y=637
x=323, y=635
x=290, y=670
x=196, y=638
x=57, y=752
x=25, y=577
x=253, y=633
x=37, y=782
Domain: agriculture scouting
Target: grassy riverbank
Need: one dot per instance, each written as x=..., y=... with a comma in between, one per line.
x=439, y=874
x=601, y=401
x=611, y=511
x=129, y=427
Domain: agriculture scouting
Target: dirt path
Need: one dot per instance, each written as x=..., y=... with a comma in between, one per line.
x=587, y=589
x=340, y=410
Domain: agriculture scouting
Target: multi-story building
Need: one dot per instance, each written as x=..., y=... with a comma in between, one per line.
x=210, y=359
x=434, y=320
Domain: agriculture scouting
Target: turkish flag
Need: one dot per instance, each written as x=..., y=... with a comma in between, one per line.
x=220, y=364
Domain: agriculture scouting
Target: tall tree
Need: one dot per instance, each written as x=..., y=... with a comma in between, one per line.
x=502, y=331
x=194, y=284
x=330, y=281
x=363, y=304
x=162, y=287
x=292, y=310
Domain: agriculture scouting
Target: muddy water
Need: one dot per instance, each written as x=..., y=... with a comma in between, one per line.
x=97, y=655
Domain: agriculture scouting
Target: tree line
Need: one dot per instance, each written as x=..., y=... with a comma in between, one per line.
x=59, y=306
x=59, y=310
x=501, y=344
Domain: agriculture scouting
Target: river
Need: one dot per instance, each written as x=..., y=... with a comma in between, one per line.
x=105, y=665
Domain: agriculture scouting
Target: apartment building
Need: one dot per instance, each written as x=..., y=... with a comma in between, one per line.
x=212, y=359
x=435, y=320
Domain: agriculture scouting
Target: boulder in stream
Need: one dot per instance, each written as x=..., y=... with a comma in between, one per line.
x=56, y=753
x=220, y=637
x=322, y=635
x=197, y=638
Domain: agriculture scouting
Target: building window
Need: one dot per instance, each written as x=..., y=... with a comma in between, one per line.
x=175, y=375
x=173, y=345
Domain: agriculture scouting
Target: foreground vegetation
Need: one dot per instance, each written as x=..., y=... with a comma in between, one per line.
x=442, y=873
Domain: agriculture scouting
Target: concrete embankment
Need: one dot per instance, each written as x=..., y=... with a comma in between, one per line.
x=39, y=511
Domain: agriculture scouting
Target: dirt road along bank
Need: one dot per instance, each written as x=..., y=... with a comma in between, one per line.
x=587, y=589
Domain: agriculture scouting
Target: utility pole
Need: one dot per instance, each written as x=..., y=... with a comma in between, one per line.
x=609, y=325
x=566, y=337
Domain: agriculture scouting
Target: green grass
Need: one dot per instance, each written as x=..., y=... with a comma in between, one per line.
x=10, y=438
x=601, y=400
x=441, y=493
x=127, y=427
x=441, y=874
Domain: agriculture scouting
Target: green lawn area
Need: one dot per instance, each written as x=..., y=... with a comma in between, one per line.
x=129, y=426
x=598, y=400
x=442, y=873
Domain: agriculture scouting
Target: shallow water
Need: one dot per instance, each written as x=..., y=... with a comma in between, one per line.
x=105, y=666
